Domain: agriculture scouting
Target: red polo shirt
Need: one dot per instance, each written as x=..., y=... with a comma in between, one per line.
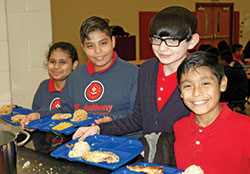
x=90, y=66
x=165, y=86
x=52, y=86
x=223, y=147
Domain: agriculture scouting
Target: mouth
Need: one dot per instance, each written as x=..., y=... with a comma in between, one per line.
x=56, y=73
x=164, y=56
x=199, y=102
x=100, y=58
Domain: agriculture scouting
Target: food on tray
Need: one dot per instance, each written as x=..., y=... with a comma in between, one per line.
x=62, y=125
x=193, y=169
x=17, y=118
x=61, y=116
x=79, y=149
x=80, y=115
x=6, y=109
x=147, y=169
x=101, y=156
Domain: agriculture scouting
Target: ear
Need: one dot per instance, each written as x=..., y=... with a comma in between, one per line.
x=75, y=64
x=181, y=96
x=113, y=41
x=194, y=40
x=223, y=84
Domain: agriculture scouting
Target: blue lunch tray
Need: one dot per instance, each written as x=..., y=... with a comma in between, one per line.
x=46, y=124
x=16, y=111
x=167, y=170
x=125, y=148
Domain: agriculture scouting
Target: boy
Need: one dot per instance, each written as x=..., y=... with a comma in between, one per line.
x=237, y=50
x=212, y=137
x=106, y=85
x=158, y=104
x=236, y=92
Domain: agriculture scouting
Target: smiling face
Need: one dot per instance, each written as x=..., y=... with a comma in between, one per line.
x=171, y=57
x=60, y=65
x=200, y=91
x=99, y=49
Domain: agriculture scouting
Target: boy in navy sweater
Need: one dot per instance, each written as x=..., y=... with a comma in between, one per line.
x=158, y=104
x=106, y=85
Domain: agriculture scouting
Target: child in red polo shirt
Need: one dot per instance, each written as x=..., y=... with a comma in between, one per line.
x=212, y=137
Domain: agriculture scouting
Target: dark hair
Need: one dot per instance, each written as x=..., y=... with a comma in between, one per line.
x=66, y=47
x=246, y=50
x=204, y=47
x=236, y=47
x=201, y=59
x=223, y=45
x=94, y=23
x=213, y=50
x=175, y=22
x=227, y=56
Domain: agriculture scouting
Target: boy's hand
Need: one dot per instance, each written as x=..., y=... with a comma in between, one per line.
x=103, y=120
x=29, y=118
x=84, y=132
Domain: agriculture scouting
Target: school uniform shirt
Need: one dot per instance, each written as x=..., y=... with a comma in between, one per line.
x=47, y=96
x=146, y=116
x=110, y=92
x=220, y=148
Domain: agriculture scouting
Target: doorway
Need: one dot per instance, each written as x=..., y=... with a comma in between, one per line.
x=215, y=23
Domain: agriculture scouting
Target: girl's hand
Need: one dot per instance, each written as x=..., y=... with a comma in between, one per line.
x=29, y=118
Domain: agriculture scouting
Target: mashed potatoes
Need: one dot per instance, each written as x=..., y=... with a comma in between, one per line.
x=79, y=149
x=193, y=169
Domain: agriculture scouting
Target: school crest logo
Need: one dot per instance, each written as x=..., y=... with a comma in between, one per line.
x=56, y=103
x=94, y=91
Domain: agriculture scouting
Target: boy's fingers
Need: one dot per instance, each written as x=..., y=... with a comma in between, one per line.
x=78, y=133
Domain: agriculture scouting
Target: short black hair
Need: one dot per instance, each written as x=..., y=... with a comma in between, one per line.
x=213, y=50
x=236, y=47
x=66, y=47
x=223, y=45
x=201, y=59
x=204, y=47
x=94, y=23
x=175, y=22
x=227, y=56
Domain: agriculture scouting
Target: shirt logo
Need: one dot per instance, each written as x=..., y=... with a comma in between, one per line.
x=56, y=103
x=94, y=91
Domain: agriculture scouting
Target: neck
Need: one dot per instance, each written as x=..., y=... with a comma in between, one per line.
x=207, y=119
x=171, y=68
x=59, y=84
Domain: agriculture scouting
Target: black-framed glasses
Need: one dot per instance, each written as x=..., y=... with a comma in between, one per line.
x=171, y=42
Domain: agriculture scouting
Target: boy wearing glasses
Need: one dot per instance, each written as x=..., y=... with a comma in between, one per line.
x=158, y=104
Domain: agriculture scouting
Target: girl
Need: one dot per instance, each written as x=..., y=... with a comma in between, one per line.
x=62, y=59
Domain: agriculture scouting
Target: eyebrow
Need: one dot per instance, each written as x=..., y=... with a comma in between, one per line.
x=89, y=42
x=189, y=81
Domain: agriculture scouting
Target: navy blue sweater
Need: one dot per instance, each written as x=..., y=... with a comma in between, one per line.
x=146, y=116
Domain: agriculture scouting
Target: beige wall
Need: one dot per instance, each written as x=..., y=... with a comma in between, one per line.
x=67, y=16
x=25, y=35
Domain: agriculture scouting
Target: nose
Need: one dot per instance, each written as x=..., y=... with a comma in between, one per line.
x=163, y=46
x=197, y=91
x=57, y=65
x=97, y=49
